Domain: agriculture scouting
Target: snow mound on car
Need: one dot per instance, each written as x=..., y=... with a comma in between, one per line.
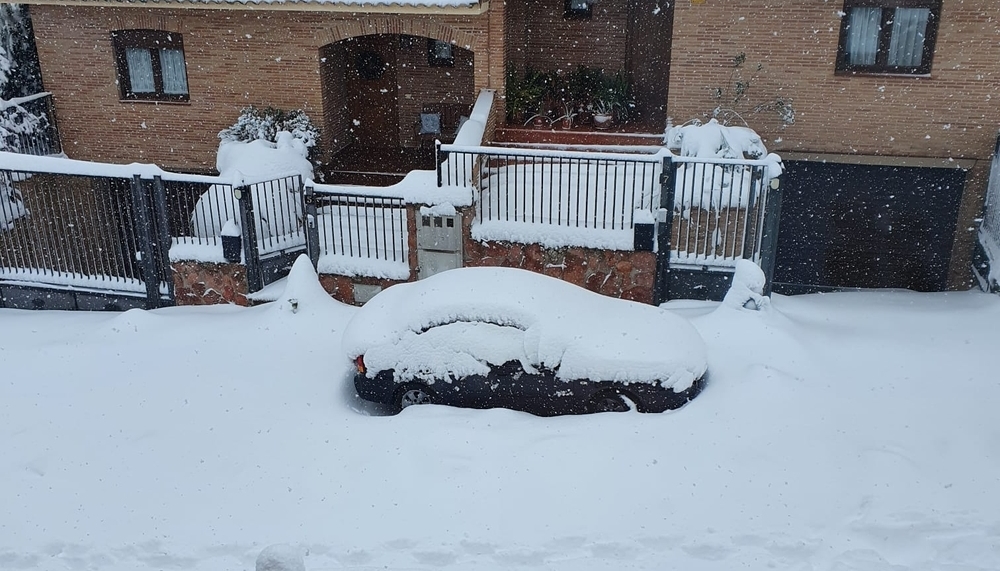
x=545, y=323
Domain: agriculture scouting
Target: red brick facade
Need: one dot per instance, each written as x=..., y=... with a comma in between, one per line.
x=234, y=58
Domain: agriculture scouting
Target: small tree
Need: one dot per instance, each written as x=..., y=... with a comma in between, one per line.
x=734, y=95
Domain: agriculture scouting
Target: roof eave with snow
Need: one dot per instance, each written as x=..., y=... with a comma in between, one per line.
x=443, y=7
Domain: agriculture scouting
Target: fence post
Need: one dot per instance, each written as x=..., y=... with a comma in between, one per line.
x=147, y=256
x=312, y=225
x=664, y=230
x=251, y=255
x=52, y=134
x=163, y=241
x=437, y=161
x=769, y=239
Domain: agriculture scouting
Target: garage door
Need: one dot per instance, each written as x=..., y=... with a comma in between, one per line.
x=865, y=226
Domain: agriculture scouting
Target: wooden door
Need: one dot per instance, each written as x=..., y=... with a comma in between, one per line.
x=372, y=92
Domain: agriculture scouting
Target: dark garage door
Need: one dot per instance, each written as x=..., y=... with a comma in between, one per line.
x=864, y=226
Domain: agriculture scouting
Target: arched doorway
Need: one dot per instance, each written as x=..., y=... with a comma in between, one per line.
x=378, y=91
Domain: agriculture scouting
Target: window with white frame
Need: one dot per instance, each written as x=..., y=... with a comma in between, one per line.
x=888, y=36
x=150, y=65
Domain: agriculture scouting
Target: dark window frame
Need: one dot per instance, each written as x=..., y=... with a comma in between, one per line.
x=434, y=60
x=154, y=41
x=571, y=13
x=881, y=65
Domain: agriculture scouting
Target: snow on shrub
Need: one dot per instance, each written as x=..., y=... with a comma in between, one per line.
x=717, y=186
x=255, y=161
x=16, y=124
x=265, y=124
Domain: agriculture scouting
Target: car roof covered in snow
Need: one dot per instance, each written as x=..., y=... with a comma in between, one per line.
x=581, y=334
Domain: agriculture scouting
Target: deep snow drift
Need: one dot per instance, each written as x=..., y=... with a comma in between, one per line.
x=837, y=432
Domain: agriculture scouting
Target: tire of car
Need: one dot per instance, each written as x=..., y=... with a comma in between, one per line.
x=412, y=394
x=610, y=401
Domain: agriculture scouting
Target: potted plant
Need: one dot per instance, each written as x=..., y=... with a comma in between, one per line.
x=566, y=119
x=603, y=113
x=524, y=95
x=614, y=97
x=582, y=84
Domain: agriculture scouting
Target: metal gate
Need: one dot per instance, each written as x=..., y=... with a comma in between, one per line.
x=72, y=241
x=713, y=213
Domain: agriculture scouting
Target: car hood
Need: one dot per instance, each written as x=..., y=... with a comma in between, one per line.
x=575, y=332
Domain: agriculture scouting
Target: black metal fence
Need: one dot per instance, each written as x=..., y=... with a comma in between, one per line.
x=86, y=235
x=347, y=231
x=37, y=133
x=717, y=211
x=590, y=190
x=713, y=213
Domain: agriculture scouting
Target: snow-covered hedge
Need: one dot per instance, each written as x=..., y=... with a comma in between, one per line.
x=17, y=124
x=265, y=124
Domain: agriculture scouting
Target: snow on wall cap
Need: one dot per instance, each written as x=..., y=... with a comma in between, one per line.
x=231, y=228
x=443, y=209
x=641, y=216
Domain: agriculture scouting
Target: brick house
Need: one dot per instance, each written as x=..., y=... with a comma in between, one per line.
x=888, y=156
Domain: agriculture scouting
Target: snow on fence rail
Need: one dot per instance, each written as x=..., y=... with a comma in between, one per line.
x=27, y=125
x=593, y=199
x=357, y=234
x=81, y=231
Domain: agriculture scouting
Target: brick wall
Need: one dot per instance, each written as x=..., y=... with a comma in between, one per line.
x=622, y=274
x=555, y=42
x=952, y=113
x=421, y=84
x=234, y=58
x=333, y=69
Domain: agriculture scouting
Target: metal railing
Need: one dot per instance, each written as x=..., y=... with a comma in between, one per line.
x=590, y=190
x=718, y=211
x=85, y=232
x=347, y=229
x=38, y=134
x=717, y=204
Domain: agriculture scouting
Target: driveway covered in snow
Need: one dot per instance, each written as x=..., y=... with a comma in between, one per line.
x=841, y=431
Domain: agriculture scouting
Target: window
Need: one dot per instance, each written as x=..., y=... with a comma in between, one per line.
x=888, y=36
x=579, y=9
x=439, y=53
x=150, y=65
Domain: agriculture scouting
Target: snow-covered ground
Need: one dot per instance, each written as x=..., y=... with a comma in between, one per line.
x=852, y=431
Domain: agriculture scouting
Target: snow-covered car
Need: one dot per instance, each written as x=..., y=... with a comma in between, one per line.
x=502, y=337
